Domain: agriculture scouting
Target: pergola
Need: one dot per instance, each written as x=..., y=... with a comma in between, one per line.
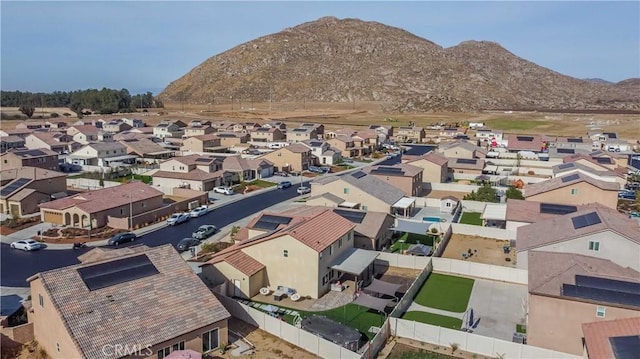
x=382, y=287
x=355, y=261
x=368, y=301
x=404, y=205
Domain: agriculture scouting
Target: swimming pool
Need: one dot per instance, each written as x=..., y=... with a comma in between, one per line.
x=433, y=219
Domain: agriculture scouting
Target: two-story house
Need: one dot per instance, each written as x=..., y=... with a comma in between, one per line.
x=403, y=176
x=248, y=169
x=198, y=130
x=410, y=134
x=300, y=134
x=267, y=134
x=323, y=153
x=83, y=134
x=101, y=156
x=10, y=142
x=25, y=188
x=346, y=146
x=195, y=172
x=434, y=165
x=573, y=189
x=58, y=142
x=134, y=122
x=41, y=158
x=116, y=126
x=293, y=158
x=202, y=144
x=174, y=129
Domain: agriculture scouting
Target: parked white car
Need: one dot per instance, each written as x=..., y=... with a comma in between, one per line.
x=199, y=211
x=27, y=245
x=178, y=218
x=223, y=190
x=303, y=190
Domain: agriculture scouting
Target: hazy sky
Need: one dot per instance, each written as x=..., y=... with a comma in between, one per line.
x=52, y=45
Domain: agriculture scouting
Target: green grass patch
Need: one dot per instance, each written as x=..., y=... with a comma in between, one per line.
x=418, y=354
x=407, y=239
x=514, y=124
x=259, y=183
x=472, y=218
x=445, y=292
x=521, y=328
x=434, y=319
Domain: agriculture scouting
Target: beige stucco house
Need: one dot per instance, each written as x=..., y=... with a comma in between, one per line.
x=41, y=158
x=176, y=312
x=58, y=142
x=267, y=134
x=294, y=158
x=461, y=149
x=202, y=144
x=83, y=134
x=575, y=189
x=403, y=176
x=198, y=130
x=413, y=134
x=195, y=172
x=434, y=167
x=24, y=188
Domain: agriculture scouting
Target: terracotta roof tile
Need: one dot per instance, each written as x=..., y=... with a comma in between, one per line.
x=597, y=334
x=556, y=182
x=194, y=175
x=244, y=263
x=516, y=145
x=321, y=231
x=149, y=310
x=297, y=148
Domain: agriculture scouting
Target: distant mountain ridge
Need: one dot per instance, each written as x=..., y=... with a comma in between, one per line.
x=344, y=60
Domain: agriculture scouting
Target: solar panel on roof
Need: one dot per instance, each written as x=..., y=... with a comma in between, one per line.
x=353, y=216
x=570, y=178
x=574, y=140
x=226, y=135
x=603, y=160
x=299, y=130
x=269, y=226
x=388, y=171
x=276, y=219
x=610, y=134
x=117, y=272
x=626, y=347
x=358, y=174
x=524, y=138
x=585, y=220
x=467, y=161
x=609, y=284
x=564, y=166
x=203, y=159
x=601, y=295
x=14, y=186
x=559, y=209
x=34, y=153
x=565, y=150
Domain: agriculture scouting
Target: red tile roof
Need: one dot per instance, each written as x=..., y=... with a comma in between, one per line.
x=86, y=129
x=244, y=263
x=103, y=199
x=194, y=175
x=516, y=145
x=297, y=148
x=321, y=231
x=597, y=334
x=557, y=182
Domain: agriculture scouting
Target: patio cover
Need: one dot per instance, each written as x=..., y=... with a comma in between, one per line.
x=404, y=203
x=119, y=158
x=419, y=249
x=495, y=212
x=415, y=227
x=354, y=261
x=383, y=287
x=368, y=301
x=346, y=204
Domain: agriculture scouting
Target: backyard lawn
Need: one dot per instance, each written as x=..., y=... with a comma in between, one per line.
x=445, y=292
x=408, y=239
x=434, y=319
x=472, y=218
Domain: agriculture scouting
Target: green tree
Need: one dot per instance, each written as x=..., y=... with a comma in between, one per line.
x=486, y=193
x=514, y=193
x=28, y=110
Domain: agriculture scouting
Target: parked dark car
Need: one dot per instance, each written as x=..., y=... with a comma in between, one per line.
x=187, y=243
x=122, y=238
x=284, y=184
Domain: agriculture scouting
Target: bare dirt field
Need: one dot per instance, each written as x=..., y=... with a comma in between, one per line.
x=266, y=345
x=360, y=114
x=489, y=251
x=398, y=347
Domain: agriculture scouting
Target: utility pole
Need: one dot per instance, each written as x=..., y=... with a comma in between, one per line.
x=131, y=211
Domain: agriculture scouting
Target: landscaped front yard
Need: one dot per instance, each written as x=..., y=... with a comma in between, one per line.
x=434, y=319
x=472, y=218
x=407, y=239
x=445, y=292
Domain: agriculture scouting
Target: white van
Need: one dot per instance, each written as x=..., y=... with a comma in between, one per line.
x=276, y=145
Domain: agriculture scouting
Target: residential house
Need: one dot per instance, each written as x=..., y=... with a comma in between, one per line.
x=58, y=142
x=276, y=124
x=617, y=145
x=169, y=129
x=593, y=230
x=130, y=135
x=116, y=126
x=248, y=169
x=194, y=172
x=323, y=153
x=528, y=143
x=93, y=208
x=621, y=160
x=41, y=158
x=450, y=132
x=305, y=254
x=134, y=122
x=198, y=130
x=611, y=338
x=434, y=166
x=366, y=141
x=95, y=123
x=372, y=231
x=231, y=139
x=410, y=134
x=569, y=290
x=101, y=155
x=597, y=160
x=144, y=148
x=466, y=165
x=104, y=136
x=574, y=189
x=403, y=176
x=596, y=171
x=363, y=191
x=318, y=127
x=185, y=315
x=521, y=212
x=223, y=125
x=83, y=134
x=384, y=132
x=24, y=188
x=202, y=144
x=448, y=204
x=267, y=134
x=245, y=127
x=301, y=134
x=33, y=125
x=570, y=145
x=293, y=158
x=488, y=135
x=346, y=146
x=23, y=133
x=461, y=149
x=143, y=130
x=11, y=142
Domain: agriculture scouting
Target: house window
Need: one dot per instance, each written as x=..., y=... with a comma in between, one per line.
x=339, y=242
x=331, y=249
x=448, y=204
x=321, y=254
x=121, y=210
x=285, y=253
x=350, y=235
x=601, y=311
x=164, y=352
x=345, y=191
x=574, y=191
x=594, y=246
x=364, y=208
x=58, y=346
x=178, y=346
x=41, y=300
x=143, y=204
x=210, y=340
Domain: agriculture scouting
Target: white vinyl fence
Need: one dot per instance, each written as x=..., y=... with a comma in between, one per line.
x=480, y=270
x=480, y=231
x=87, y=183
x=403, y=261
x=470, y=342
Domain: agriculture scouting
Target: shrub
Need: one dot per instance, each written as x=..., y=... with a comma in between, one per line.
x=66, y=114
x=54, y=115
x=531, y=173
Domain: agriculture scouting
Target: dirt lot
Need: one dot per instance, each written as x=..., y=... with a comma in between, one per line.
x=489, y=251
x=266, y=345
x=399, y=346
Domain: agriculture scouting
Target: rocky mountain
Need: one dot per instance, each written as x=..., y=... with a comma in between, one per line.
x=345, y=60
x=598, y=81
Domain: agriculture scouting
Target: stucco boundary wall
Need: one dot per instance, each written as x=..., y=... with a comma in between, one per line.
x=488, y=232
x=507, y=162
x=90, y=183
x=511, y=176
x=281, y=329
x=480, y=270
x=470, y=342
x=473, y=206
